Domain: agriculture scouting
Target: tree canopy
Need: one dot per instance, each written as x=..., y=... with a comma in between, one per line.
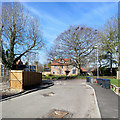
x=77, y=43
x=109, y=42
x=20, y=33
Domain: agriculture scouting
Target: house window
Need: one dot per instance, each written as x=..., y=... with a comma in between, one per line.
x=53, y=72
x=62, y=67
x=62, y=61
x=5, y=72
x=55, y=66
x=67, y=67
x=74, y=71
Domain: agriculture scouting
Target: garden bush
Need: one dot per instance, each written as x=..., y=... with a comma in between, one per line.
x=63, y=77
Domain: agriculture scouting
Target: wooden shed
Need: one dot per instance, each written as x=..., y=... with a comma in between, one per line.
x=19, y=79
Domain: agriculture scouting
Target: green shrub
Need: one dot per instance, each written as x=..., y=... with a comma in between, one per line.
x=47, y=75
x=62, y=77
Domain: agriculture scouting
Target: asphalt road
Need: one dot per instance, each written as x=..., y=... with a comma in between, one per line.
x=107, y=102
x=72, y=96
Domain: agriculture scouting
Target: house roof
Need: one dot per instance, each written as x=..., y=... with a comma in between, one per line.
x=61, y=61
x=19, y=62
x=65, y=61
x=83, y=69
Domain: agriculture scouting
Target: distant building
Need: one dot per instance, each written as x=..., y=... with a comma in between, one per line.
x=19, y=62
x=4, y=71
x=64, y=66
x=46, y=71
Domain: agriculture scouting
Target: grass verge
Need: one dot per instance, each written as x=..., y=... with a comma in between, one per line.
x=115, y=82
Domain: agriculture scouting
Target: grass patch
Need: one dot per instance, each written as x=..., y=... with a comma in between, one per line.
x=107, y=77
x=102, y=77
x=115, y=82
x=81, y=77
x=64, y=77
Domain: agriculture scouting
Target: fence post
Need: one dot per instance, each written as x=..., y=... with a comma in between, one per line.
x=36, y=68
x=29, y=67
x=118, y=74
x=111, y=86
x=117, y=90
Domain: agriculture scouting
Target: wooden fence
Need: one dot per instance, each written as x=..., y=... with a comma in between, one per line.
x=19, y=79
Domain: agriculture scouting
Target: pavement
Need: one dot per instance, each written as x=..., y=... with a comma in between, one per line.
x=73, y=96
x=107, y=101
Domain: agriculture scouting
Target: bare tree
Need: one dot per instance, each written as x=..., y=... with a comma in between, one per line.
x=52, y=53
x=119, y=40
x=20, y=33
x=77, y=43
x=31, y=57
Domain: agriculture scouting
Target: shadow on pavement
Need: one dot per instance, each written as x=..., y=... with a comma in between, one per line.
x=45, y=84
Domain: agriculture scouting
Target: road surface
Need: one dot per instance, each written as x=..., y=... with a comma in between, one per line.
x=107, y=101
x=73, y=96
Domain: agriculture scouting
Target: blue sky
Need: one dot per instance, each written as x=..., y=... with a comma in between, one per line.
x=55, y=17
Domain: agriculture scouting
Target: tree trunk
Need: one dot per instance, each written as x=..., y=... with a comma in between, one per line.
x=119, y=59
x=79, y=69
x=111, y=64
x=100, y=71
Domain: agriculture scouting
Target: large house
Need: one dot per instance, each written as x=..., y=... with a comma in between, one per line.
x=64, y=66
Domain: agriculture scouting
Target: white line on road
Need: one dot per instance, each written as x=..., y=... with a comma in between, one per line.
x=95, y=101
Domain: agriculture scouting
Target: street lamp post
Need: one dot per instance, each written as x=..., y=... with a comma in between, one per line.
x=97, y=61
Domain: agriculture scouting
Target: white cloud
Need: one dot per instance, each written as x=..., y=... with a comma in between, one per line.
x=44, y=15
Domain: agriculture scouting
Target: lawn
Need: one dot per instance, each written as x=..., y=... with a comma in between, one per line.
x=107, y=77
x=115, y=82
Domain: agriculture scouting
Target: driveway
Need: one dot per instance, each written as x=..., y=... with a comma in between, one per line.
x=73, y=96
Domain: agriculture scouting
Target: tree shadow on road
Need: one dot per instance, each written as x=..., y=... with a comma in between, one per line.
x=45, y=84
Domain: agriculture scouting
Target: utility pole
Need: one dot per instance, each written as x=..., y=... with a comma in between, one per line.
x=97, y=60
x=97, y=64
